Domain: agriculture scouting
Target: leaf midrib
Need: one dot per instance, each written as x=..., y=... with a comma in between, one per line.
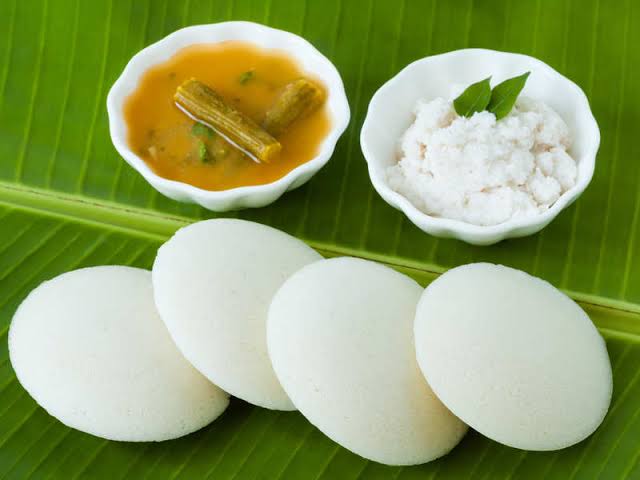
x=615, y=317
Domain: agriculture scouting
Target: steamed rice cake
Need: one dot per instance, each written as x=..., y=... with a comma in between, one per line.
x=340, y=336
x=513, y=357
x=90, y=348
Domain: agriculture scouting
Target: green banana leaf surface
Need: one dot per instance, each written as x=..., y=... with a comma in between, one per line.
x=68, y=200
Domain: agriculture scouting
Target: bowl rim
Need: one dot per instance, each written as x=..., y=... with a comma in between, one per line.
x=458, y=228
x=139, y=63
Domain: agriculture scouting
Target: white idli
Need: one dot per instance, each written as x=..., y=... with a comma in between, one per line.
x=340, y=335
x=513, y=357
x=213, y=283
x=90, y=348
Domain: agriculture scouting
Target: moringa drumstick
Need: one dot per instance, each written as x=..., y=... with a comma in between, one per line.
x=206, y=106
x=298, y=99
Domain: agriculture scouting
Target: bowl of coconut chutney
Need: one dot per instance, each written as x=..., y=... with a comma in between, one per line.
x=491, y=173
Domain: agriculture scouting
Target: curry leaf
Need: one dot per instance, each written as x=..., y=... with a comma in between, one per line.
x=203, y=154
x=201, y=130
x=246, y=76
x=474, y=99
x=505, y=94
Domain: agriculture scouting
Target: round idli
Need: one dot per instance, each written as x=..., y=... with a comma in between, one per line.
x=340, y=336
x=90, y=348
x=513, y=357
x=213, y=283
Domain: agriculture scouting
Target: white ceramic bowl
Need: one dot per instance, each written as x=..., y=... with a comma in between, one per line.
x=390, y=114
x=309, y=59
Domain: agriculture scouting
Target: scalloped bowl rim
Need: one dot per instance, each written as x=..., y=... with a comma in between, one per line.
x=478, y=234
x=140, y=62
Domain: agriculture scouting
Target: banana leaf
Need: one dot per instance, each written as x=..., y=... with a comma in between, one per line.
x=67, y=200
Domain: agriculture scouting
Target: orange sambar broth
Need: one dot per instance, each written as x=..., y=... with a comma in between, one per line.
x=153, y=119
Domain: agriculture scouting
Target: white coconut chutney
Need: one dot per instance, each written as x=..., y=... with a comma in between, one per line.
x=213, y=283
x=513, y=357
x=340, y=335
x=482, y=171
x=90, y=349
